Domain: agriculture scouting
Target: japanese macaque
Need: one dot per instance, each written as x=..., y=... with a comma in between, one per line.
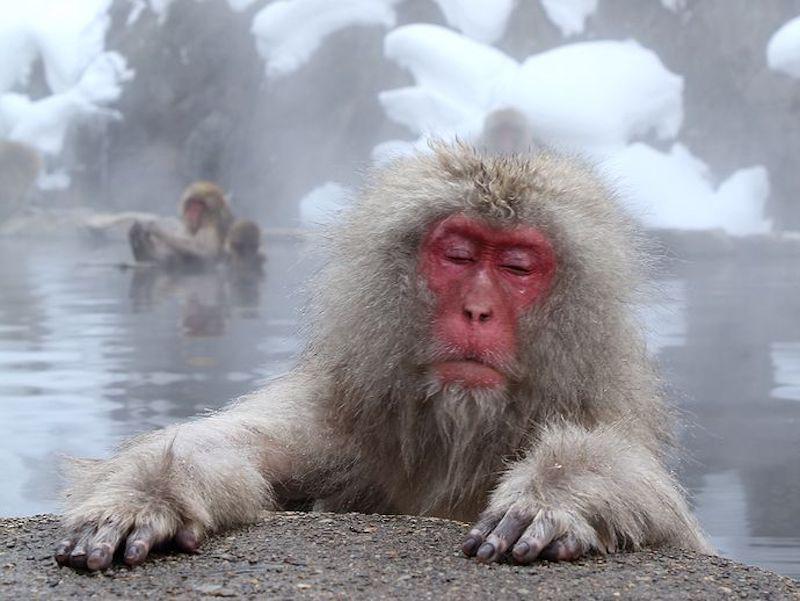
x=243, y=246
x=506, y=131
x=471, y=355
x=206, y=218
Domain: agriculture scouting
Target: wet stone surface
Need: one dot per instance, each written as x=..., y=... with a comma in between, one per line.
x=312, y=555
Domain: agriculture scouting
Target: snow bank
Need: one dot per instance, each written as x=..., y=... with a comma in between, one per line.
x=288, y=32
x=161, y=7
x=478, y=19
x=674, y=190
x=592, y=95
x=783, y=49
x=569, y=15
x=592, y=98
x=583, y=96
x=44, y=123
x=68, y=37
x=323, y=204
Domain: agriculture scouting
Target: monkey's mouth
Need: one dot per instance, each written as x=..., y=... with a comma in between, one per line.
x=468, y=372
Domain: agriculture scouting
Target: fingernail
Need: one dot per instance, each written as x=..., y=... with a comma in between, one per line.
x=62, y=552
x=470, y=545
x=486, y=551
x=187, y=541
x=520, y=551
x=78, y=560
x=134, y=554
x=97, y=559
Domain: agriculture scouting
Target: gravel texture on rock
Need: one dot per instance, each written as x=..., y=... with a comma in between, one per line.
x=352, y=556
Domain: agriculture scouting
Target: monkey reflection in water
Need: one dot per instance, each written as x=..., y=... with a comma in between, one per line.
x=472, y=354
x=207, y=294
x=203, y=295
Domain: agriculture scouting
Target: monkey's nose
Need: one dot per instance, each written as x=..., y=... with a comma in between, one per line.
x=477, y=314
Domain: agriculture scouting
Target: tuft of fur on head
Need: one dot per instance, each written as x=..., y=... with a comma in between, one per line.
x=581, y=358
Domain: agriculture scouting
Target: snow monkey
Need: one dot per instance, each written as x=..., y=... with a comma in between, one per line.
x=470, y=355
x=206, y=219
x=243, y=246
x=506, y=131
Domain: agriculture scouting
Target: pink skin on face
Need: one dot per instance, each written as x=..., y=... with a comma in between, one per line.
x=194, y=214
x=483, y=279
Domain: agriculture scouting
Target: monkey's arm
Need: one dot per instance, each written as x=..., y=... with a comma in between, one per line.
x=185, y=481
x=584, y=490
x=204, y=245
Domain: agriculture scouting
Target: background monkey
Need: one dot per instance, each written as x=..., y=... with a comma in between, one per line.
x=506, y=131
x=206, y=219
x=243, y=246
x=470, y=355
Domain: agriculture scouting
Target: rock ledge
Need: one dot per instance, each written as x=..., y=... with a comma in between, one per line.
x=312, y=555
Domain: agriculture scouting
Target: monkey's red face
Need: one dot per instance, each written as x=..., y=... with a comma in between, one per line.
x=483, y=280
x=193, y=214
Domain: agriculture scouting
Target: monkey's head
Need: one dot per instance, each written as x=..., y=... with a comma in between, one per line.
x=244, y=239
x=502, y=278
x=202, y=204
x=506, y=131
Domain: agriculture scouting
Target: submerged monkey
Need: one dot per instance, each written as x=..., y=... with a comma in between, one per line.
x=206, y=219
x=472, y=355
x=243, y=247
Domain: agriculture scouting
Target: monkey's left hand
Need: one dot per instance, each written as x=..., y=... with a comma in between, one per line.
x=531, y=531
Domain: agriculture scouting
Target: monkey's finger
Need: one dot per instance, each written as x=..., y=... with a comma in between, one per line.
x=140, y=541
x=567, y=548
x=78, y=554
x=538, y=535
x=188, y=537
x=103, y=544
x=63, y=549
x=485, y=524
x=513, y=524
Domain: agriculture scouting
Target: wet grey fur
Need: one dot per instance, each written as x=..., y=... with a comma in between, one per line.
x=578, y=437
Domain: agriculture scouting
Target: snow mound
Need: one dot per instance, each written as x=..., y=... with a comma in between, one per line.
x=67, y=36
x=598, y=99
x=595, y=94
x=579, y=96
x=43, y=123
x=288, y=32
x=478, y=19
x=783, y=49
x=323, y=204
x=674, y=190
x=569, y=15
x=69, y=39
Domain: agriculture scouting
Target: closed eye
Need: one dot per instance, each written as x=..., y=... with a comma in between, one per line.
x=517, y=269
x=459, y=258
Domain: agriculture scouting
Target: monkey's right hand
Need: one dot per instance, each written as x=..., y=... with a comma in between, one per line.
x=95, y=535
